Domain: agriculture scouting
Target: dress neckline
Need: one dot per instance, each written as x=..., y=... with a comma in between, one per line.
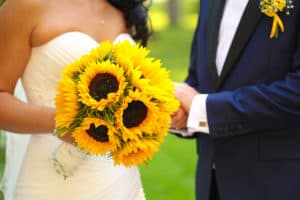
x=62, y=35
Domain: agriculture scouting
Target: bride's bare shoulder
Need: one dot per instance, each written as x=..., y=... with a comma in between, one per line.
x=25, y=4
x=21, y=15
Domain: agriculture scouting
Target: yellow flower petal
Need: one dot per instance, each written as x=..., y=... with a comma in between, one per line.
x=89, y=144
x=91, y=72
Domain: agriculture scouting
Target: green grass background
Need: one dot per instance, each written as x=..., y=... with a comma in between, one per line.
x=170, y=175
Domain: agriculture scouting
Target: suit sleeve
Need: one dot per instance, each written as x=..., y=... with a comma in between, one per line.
x=258, y=108
x=192, y=79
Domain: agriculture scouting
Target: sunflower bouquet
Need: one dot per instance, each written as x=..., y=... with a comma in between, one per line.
x=116, y=100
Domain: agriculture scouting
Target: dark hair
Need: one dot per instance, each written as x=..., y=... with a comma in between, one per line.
x=136, y=16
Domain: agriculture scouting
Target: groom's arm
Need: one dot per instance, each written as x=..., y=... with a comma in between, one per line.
x=261, y=107
x=256, y=108
x=253, y=108
x=249, y=109
x=191, y=78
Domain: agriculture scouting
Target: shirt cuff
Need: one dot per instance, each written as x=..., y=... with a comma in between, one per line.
x=197, y=119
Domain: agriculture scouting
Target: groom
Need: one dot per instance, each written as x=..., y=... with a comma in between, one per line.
x=241, y=100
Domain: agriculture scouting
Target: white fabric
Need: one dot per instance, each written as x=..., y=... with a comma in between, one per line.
x=16, y=145
x=96, y=178
x=232, y=15
x=195, y=117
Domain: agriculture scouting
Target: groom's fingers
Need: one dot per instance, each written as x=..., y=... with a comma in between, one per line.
x=179, y=119
x=185, y=94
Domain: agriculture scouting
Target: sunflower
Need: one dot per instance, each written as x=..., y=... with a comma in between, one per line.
x=135, y=152
x=124, y=53
x=137, y=54
x=124, y=61
x=66, y=104
x=96, y=136
x=102, y=52
x=140, y=55
x=101, y=85
x=137, y=81
x=136, y=115
x=161, y=128
x=116, y=99
x=158, y=76
x=77, y=67
x=166, y=100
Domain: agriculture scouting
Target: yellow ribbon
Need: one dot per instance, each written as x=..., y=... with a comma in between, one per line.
x=277, y=22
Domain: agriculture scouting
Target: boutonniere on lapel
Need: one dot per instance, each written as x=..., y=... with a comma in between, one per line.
x=272, y=8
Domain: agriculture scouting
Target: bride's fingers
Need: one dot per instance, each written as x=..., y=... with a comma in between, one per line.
x=67, y=138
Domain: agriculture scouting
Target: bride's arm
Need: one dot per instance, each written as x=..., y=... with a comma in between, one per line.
x=18, y=18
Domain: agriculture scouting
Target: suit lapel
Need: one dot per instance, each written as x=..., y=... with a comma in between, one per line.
x=244, y=31
x=213, y=23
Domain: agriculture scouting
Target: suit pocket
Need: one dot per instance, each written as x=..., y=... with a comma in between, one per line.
x=284, y=147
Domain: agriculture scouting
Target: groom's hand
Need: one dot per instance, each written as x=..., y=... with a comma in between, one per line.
x=185, y=94
x=179, y=119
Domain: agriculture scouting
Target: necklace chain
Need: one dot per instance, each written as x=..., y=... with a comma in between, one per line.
x=101, y=21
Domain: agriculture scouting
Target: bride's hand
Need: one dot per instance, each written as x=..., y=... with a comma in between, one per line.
x=67, y=156
x=67, y=138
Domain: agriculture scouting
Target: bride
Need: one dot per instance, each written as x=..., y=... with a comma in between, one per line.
x=39, y=38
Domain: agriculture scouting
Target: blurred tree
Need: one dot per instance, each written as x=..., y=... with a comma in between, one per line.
x=174, y=12
x=1, y=1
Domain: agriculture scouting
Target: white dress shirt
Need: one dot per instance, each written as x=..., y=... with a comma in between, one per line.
x=233, y=11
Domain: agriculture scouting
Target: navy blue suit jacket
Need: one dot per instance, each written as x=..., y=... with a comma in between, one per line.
x=253, y=107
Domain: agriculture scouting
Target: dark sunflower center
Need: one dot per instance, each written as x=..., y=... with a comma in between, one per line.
x=98, y=133
x=134, y=114
x=103, y=84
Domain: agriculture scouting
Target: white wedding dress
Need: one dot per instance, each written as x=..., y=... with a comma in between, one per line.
x=96, y=178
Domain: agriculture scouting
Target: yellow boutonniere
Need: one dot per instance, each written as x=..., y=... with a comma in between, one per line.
x=271, y=8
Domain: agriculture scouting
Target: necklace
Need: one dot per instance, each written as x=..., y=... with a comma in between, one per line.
x=102, y=13
x=102, y=21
